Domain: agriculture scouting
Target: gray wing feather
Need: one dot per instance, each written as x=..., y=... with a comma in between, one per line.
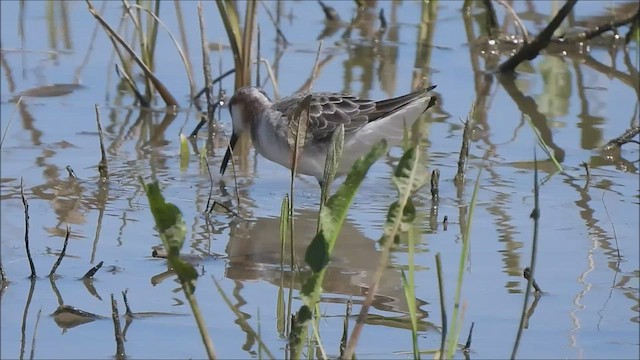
x=329, y=110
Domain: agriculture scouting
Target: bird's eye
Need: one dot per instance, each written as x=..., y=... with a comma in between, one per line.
x=264, y=93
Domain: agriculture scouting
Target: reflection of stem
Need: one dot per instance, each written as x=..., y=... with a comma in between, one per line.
x=66, y=33
x=157, y=133
x=92, y=41
x=101, y=201
x=88, y=285
x=577, y=301
x=633, y=71
x=424, y=41
x=7, y=70
x=482, y=81
x=51, y=25
x=24, y=317
x=528, y=106
x=532, y=309
x=56, y=292
x=23, y=37
x=241, y=320
x=590, y=130
x=628, y=79
x=242, y=316
x=115, y=316
x=35, y=330
x=28, y=124
x=535, y=215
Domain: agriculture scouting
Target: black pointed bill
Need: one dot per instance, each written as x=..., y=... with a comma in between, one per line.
x=227, y=155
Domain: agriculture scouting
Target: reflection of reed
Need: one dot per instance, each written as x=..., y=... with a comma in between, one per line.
x=363, y=53
x=8, y=72
x=535, y=108
x=507, y=232
x=254, y=254
x=23, y=37
x=483, y=83
x=527, y=105
x=591, y=126
x=424, y=42
x=85, y=60
x=631, y=79
x=25, y=313
x=388, y=51
x=532, y=107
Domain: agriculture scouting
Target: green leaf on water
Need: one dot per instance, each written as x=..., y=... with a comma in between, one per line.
x=168, y=218
x=406, y=216
x=318, y=252
x=409, y=175
x=186, y=273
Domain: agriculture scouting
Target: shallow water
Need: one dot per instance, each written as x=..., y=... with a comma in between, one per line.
x=587, y=256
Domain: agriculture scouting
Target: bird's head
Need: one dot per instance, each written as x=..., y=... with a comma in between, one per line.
x=245, y=107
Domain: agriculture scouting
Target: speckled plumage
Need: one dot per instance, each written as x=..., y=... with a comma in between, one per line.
x=365, y=122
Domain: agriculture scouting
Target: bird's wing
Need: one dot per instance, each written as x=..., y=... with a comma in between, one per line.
x=328, y=110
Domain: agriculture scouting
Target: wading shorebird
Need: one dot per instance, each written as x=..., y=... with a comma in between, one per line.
x=366, y=122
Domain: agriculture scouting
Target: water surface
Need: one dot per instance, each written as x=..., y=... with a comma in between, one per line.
x=587, y=258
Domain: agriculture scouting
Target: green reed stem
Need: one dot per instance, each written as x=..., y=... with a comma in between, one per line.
x=454, y=331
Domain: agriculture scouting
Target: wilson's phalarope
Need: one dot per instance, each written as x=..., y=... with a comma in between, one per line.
x=366, y=122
